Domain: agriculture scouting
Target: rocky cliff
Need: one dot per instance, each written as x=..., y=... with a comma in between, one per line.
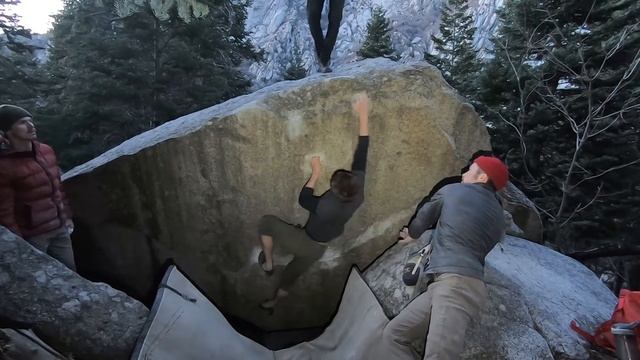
x=277, y=26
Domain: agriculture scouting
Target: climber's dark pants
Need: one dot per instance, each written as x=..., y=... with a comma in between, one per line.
x=291, y=239
x=324, y=43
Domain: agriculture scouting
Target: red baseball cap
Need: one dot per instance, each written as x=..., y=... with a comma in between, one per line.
x=495, y=169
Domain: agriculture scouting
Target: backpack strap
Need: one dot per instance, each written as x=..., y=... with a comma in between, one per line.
x=582, y=332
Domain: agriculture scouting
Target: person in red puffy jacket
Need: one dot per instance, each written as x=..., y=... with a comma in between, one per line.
x=32, y=202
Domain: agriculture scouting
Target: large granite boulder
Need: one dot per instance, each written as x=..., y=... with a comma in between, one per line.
x=77, y=317
x=523, y=213
x=193, y=189
x=534, y=294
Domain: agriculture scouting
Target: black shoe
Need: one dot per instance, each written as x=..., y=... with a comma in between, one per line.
x=261, y=261
x=324, y=68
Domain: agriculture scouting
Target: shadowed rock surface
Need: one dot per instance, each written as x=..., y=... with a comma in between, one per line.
x=75, y=316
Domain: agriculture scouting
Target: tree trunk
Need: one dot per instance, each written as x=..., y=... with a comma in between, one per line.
x=75, y=316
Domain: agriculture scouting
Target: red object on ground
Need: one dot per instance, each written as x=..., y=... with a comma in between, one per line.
x=627, y=311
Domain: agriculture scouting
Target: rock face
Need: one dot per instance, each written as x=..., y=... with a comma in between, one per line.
x=76, y=316
x=384, y=276
x=36, y=44
x=194, y=189
x=523, y=212
x=277, y=26
x=534, y=293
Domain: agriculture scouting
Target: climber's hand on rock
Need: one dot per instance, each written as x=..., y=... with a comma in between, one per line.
x=404, y=237
x=361, y=107
x=361, y=104
x=316, y=165
x=404, y=232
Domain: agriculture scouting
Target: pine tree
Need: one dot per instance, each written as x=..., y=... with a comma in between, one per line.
x=605, y=41
x=563, y=107
x=507, y=86
x=454, y=54
x=20, y=74
x=91, y=100
x=378, y=40
x=8, y=20
x=296, y=69
x=113, y=79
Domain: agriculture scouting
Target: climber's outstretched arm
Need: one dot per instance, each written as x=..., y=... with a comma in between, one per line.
x=361, y=107
x=306, y=198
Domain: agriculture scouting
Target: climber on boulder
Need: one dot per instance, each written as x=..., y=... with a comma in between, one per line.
x=469, y=223
x=324, y=44
x=328, y=213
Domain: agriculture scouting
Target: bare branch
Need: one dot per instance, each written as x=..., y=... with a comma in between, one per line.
x=621, y=83
x=620, y=116
x=606, y=172
x=546, y=212
x=625, y=108
x=617, y=193
x=580, y=208
x=625, y=32
x=559, y=106
x=523, y=146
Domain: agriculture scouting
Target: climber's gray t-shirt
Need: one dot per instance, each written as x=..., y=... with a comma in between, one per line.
x=327, y=213
x=470, y=222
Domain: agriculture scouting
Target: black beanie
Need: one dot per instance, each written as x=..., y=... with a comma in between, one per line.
x=10, y=114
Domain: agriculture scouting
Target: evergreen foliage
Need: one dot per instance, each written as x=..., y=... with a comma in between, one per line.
x=20, y=74
x=563, y=106
x=378, y=43
x=454, y=53
x=112, y=77
x=296, y=69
